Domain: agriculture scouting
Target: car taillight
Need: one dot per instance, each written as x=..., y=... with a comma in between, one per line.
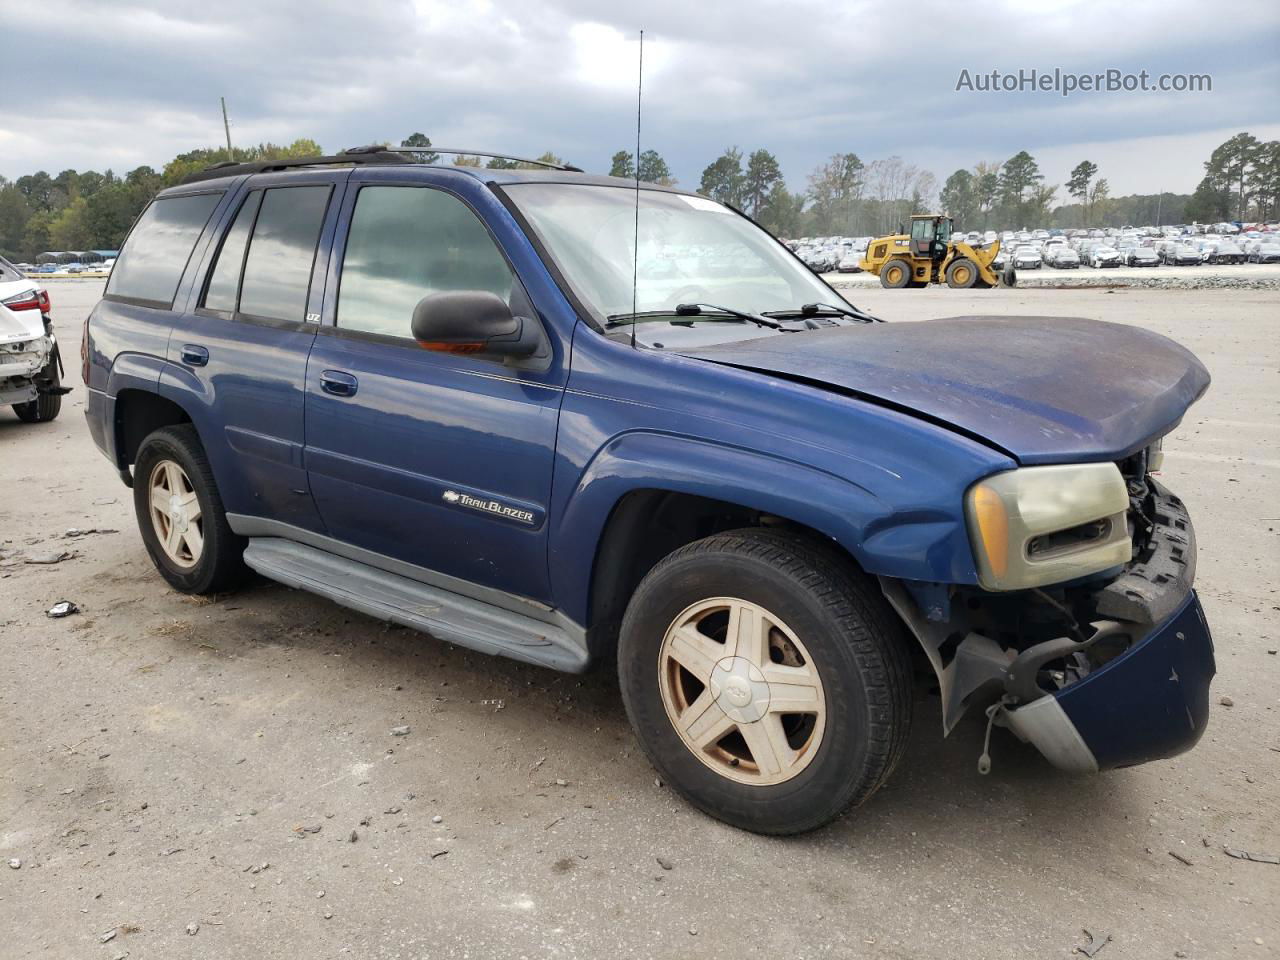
x=26, y=301
x=45, y=303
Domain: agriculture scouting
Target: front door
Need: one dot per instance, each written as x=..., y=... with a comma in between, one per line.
x=441, y=461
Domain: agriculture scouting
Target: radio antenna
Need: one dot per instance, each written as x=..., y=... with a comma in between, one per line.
x=635, y=260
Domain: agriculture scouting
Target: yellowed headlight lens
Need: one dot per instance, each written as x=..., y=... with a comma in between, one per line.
x=993, y=527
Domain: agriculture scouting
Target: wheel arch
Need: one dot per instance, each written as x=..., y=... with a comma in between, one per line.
x=645, y=495
x=139, y=412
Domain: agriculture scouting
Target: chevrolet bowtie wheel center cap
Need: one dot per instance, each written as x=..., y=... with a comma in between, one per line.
x=740, y=689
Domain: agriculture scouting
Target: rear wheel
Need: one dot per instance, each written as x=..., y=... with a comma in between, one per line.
x=766, y=679
x=895, y=274
x=962, y=274
x=46, y=406
x=180, y=514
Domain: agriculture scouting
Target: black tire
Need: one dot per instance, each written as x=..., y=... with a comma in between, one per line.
x=895, y=274
x=965, y=266
x=46, y=406
x=857, y=645
x=220, y=566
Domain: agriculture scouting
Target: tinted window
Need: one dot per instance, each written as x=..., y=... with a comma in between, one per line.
x=405, y=243
x=277, y=272
x=156, y=253
x=224, y=284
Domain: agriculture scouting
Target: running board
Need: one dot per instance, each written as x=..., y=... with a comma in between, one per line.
x=389, y=596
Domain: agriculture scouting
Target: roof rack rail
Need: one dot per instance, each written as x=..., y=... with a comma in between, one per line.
x=492, y=156
x=355, y=155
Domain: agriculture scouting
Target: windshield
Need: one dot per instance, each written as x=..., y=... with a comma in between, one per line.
x=8, y=272
x=692, y=250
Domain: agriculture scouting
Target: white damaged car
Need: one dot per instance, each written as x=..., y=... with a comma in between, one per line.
x=30, y=366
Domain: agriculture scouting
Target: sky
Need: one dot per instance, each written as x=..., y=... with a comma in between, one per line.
x=116, y=84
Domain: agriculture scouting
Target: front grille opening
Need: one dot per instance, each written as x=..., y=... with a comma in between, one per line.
x=1059, y=542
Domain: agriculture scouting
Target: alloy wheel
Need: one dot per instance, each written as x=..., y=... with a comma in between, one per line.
x=175, y=514
x=742, y=691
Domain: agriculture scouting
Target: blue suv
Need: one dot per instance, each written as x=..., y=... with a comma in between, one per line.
x=573, y=419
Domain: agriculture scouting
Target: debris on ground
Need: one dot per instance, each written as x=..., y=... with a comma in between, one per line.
x=50, y=557
x=561, y=782
x=104, y=501
x=1095, y=944
x=353, y=837
x=537, y=763
x=304, y=828
x=391, y=810
x=1255, y=857
x=664, y=863
x=193, y=929
x=15, y=864
x=1181, y=859
x=438, y=853
x=400, y=731
x=437, y=819
x=1226, y=701
x=63, y=608
x=77, y=532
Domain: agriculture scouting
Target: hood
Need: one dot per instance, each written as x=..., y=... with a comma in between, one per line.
x=19, y=325
x=1042, y=389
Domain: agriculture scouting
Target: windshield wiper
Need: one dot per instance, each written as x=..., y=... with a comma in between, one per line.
x=684, y=311
x=698, y=309
x=814, y=309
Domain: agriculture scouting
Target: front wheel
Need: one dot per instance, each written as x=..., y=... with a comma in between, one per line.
x=766, y=679
x=895, y=275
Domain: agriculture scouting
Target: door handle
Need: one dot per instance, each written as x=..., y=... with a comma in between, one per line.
x=338, y=383
x=194, y=355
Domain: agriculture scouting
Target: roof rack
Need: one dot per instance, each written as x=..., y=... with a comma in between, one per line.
x=355, y=155
x=359, y=156
x=491, y=156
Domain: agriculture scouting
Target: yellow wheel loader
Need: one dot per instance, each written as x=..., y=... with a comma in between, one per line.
x=928, y=255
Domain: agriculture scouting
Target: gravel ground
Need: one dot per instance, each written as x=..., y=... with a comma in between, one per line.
x=185, y=777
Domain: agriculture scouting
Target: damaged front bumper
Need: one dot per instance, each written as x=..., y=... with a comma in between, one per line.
x=1150, y=702
x=1130, y=682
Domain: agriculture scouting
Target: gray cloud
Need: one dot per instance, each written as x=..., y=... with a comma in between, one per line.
x=124, y=84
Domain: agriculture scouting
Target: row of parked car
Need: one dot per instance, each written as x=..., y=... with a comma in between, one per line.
x=1067, y=249
x=41, y=269
x=1135, y=250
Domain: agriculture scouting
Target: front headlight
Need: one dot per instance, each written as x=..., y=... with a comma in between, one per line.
x=1042, y=525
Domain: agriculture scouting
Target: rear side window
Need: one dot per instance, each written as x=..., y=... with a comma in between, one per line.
x=406, y=243
x=224, y=282
x=277, y=270
x=156, y=253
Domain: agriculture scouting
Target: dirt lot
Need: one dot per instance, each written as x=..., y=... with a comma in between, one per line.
x=159, y=752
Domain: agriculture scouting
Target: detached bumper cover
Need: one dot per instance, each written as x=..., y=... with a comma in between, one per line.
x=1149, y=703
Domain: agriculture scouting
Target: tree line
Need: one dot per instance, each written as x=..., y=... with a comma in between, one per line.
x=843, y=196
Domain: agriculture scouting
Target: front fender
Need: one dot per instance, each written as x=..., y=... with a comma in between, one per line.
x=919, y=545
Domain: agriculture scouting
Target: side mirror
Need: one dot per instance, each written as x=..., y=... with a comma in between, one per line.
x=472, y=321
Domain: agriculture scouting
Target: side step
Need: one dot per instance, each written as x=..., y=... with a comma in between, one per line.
x=389, y=596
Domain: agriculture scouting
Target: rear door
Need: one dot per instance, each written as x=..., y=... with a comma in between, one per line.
x=241, y=350
x=442, y=461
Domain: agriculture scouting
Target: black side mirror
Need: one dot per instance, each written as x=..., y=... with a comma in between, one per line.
x=472, y=321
